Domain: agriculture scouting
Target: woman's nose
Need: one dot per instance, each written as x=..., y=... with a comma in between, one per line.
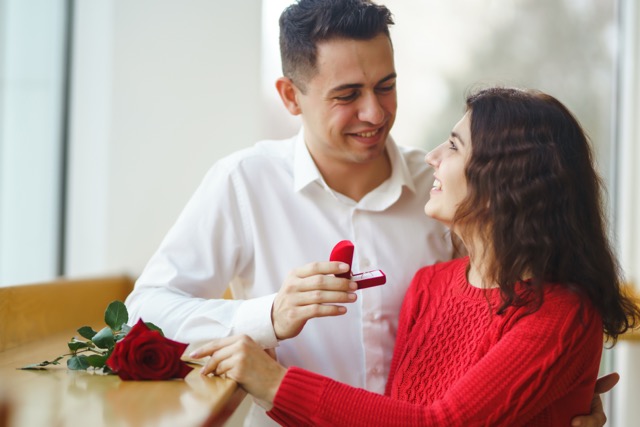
x=433, y=158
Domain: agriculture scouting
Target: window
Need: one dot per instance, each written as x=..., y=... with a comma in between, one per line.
x=32, y=95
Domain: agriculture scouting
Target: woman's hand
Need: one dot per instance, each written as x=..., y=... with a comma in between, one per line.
x=242, y=360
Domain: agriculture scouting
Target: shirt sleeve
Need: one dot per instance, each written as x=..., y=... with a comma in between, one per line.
x=542, y=357
x=181, y=287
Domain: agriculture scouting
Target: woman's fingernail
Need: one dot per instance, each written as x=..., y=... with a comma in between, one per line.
x=344, y=267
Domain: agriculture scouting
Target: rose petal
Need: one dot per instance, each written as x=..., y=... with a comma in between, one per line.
x=144, y=354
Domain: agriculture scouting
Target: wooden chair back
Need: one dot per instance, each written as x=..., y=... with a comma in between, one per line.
x=33, y=311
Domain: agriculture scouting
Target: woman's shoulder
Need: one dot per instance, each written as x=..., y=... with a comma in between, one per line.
x=565, y=306
x=559, y=296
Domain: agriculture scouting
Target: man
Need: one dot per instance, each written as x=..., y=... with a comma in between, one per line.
x=263, y=211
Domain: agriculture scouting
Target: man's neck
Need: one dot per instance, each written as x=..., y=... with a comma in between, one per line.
x=357, y=180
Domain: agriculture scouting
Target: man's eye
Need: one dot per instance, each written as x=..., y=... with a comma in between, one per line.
x=350, y=97
x=389, y=88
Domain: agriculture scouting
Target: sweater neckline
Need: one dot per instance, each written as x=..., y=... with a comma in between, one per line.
x=466, y=289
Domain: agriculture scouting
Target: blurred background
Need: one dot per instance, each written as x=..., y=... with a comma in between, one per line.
x=111, y=112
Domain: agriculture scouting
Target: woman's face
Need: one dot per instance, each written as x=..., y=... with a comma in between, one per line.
x=448, y=161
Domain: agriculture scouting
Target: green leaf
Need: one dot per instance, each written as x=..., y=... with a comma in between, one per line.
x=116, y=315
x=87, y=332
x=41, y=365
x=154, y=327
x=78, y=363
x=96, y=360
x=104, y=338
x=77, y=345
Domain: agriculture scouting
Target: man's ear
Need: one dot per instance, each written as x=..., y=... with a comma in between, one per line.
x=289, y=95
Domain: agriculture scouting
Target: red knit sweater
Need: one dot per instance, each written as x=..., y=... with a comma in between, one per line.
x=457, y=363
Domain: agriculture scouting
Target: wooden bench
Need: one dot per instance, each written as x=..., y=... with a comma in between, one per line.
x=36, y=322
x=34, y=311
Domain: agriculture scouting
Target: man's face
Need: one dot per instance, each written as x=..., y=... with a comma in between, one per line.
x=349, y=106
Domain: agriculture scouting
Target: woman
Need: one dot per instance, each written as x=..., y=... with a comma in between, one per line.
x=509, y=335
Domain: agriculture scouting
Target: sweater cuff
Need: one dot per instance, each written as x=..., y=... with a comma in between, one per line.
x=253, y=318
x=298, y=396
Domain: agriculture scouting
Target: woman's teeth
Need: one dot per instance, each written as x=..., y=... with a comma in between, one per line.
x=437, y=185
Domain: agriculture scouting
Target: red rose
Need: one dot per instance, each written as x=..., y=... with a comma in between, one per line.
x=144, y=354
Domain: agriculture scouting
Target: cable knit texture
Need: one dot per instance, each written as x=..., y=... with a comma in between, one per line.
x=458, y=363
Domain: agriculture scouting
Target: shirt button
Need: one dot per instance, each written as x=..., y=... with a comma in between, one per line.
x=365, y=262
x=377, y=316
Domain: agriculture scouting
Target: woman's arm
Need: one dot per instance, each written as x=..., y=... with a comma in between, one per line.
x=534, y=364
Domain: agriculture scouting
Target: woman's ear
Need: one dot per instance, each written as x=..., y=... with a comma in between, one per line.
x=289, y=94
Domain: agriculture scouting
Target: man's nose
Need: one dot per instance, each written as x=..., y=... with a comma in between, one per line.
x=371, y=110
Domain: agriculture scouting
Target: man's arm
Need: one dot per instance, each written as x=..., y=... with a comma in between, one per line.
x=182, y=285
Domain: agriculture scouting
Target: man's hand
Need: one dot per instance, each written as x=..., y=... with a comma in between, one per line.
x=308, y=292
x=597, y=418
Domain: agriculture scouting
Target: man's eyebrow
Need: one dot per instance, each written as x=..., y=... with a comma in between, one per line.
x=359, y=85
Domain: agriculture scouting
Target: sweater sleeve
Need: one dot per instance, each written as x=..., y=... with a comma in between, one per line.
x=536, y=363
x=405, y=323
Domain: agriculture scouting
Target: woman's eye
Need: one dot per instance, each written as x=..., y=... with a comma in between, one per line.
x=452, y=145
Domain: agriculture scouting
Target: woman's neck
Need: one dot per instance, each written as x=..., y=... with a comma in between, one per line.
x=478, y=275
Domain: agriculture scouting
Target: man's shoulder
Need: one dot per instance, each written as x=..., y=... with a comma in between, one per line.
x=268, y=152
x=412, y=154
x=413, y=157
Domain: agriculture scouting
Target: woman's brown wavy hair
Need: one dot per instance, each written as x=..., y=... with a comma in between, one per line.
x=532, y=169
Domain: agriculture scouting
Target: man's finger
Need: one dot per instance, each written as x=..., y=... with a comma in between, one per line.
x=607, y=382
x=325, y=297
x=321, y=267
x=312, y=311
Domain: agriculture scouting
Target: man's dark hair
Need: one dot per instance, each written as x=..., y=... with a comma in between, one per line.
x=308, y=22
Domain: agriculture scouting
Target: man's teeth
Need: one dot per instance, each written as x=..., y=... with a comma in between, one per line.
x=437, y=185
x=367, y=134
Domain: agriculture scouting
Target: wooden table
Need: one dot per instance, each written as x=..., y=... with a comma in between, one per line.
x=61, y=397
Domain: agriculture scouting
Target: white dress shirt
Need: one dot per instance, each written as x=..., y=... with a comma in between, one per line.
x=265, y=210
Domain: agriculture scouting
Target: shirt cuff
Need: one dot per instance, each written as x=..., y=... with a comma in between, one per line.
x=253, y=318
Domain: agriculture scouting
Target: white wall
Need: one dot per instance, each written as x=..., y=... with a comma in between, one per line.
x=161, y=89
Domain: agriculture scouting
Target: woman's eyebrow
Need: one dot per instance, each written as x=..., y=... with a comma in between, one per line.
x=457, y=136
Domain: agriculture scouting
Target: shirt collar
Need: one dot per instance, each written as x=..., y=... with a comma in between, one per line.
x=305, y=170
